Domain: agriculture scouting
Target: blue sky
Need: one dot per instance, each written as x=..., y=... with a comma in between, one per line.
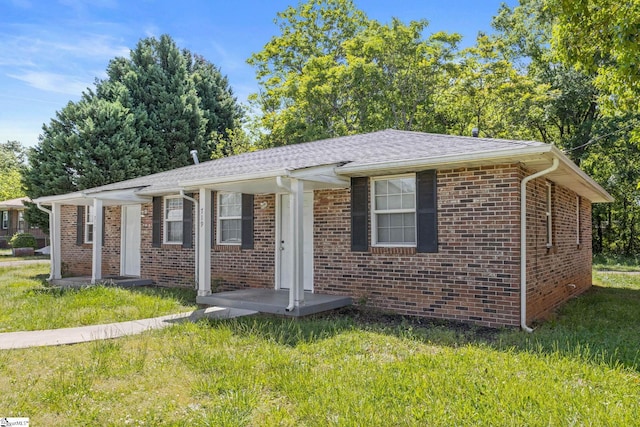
x=50, y=51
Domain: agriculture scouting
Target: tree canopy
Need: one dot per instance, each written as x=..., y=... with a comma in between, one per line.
x=12, y=158
x=153, y=108
x=602, y=37
x=559, y=71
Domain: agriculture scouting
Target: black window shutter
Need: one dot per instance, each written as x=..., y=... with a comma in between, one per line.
x=104, y=221
x=427, y=211
x=187, y=223
x=359, y=214
x=247, y=221
x=213, y=219
x=156, y=233
x=80, y=226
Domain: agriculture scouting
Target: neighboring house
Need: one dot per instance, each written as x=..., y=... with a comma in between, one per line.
x=12, y=221
x=415, y=223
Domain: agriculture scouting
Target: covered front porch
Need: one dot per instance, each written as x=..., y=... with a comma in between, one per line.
x=274, y=301
x=292, y=245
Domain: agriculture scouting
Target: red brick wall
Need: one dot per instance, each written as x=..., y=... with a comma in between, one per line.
x=563, y=271
x=474, y=275
x=167, y=265
x=77, y=259
x=235, y=268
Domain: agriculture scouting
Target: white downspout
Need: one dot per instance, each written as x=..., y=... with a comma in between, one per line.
x=292, y=291
x=197, y=233
x=51, y=237
x=523, y=241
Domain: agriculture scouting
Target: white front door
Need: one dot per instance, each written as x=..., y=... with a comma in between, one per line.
x=283, y=281
x=130, y=255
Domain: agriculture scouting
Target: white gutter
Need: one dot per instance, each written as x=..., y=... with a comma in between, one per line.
x=196, y=244
x=512, y=155
x=292, y=292
x=523, y=241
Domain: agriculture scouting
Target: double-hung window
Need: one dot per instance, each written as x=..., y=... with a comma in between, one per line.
x=394, y=211
x=230, y=218
x=5, y=220
x=88, y=224
x=173, y=220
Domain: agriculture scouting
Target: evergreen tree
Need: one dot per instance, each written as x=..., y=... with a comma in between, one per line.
x=145, y=117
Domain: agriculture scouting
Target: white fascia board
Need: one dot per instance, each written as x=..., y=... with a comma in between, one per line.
x=60, y=198
x=129, y=195
x=208, y=182
x=324, y=174
x=510, y=155
x=606, y=197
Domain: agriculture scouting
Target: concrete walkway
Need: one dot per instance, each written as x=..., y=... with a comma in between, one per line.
x=12, y=340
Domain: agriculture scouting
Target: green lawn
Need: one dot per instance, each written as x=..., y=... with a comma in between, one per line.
x=348, y=368
x=28, y=303
x=7, y=255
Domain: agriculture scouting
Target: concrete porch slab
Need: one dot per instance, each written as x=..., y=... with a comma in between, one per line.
x=82, y=281
x=274, y=301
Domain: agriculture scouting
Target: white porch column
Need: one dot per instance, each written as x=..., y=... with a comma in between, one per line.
x=96, y=268
x=54, y=237
x=204, y=242
x=297, y=235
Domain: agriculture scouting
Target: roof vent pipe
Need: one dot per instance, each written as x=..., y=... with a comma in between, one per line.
x=194, y=154
x=475, y=132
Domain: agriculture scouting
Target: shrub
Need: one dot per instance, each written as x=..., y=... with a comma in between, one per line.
x=23, y=240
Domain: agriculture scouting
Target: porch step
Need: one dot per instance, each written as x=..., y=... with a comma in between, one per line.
x=274, y=301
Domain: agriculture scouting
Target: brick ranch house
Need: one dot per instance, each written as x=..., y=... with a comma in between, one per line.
x=494, y=232
x=12, y=221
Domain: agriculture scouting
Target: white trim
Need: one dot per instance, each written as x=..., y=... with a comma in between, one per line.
x=374, y=212
x=591, y=189
x=204, y=242
x=5, y=220
x=165, y=229
x=278, y=240
x=549, y=215
x=124, y=232
x=96, y=267
x=219, y=219
x=233, y=178
x=523, y=241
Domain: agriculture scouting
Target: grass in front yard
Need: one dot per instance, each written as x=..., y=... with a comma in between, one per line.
x=602, y=262
x=266, y=371
x=6, y=255
x=28, y=303
x=347, y=369
x=601, y=326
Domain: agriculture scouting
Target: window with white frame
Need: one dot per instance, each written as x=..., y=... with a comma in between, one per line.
x=88, y=224
x=393, y=212
x=173, y=220
x=5, y=220
x=229, y=218
x=21, y=222
x=548, y=213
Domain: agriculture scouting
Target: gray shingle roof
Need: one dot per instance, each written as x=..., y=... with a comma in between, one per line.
x=382, y=146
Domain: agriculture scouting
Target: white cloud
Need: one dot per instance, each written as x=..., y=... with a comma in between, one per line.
x=52, y=82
